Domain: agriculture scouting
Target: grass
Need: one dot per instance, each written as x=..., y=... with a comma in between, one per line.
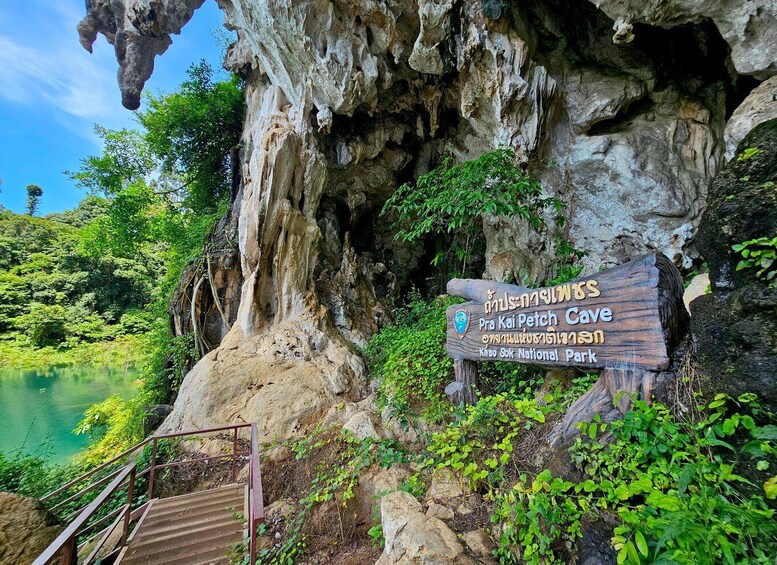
x=123, y=351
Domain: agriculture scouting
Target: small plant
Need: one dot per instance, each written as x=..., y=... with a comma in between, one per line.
x=480, y=445
x=376, y=535
x=748, y=153
x=409, y=361
x=759, y=255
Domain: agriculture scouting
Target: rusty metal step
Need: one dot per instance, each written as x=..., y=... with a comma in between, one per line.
x=188, y=529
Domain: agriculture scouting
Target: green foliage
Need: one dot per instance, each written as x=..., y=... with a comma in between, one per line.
x=451, y=200
x=748, y=153
x=34, y=192
x=28, y=474
x=673, y=486
x=122, y=351
x=193, y=132
x=409, y=360
x=480, y=445
x=376, y=535
x=759, y=255
x=43, y=324
x=537, y=517
x=113, y=425
x=58, y=291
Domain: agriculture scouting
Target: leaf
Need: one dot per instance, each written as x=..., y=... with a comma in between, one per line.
x=770, y=487
x=765, y=432
x=664, y=501
x=641, y=543
x=632, y=552
x=686, y=476
x=762, y=465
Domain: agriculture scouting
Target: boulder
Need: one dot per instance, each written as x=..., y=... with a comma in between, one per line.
x=735, y=327
x=362, y=425
x=375, y=483
x=445, y=486
x=26, y=529
x=480, y=544
x=760, y=106
x=413, y=538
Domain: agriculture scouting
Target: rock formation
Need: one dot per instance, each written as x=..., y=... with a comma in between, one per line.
x=26, y=529
x=347, y=101
x=735, y=327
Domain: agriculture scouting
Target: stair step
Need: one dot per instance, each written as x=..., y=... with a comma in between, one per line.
x=188, y=507
x=182, y=544
x=189, y=529
x=210, y=556
x=155, y=520
x=184, y=527
x=208, y=495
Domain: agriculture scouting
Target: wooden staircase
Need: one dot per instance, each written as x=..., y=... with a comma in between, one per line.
x=192, y=529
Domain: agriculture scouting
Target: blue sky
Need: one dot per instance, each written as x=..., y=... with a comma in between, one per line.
x=52, y=92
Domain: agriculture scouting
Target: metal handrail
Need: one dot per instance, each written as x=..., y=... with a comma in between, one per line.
x=154, y=440
x=66, y=541
x=66, y=544
x=255, y=495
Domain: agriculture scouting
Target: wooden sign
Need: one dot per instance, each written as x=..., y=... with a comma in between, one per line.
x=610, y=319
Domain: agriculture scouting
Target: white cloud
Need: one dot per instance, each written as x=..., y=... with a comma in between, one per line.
x=48, y=69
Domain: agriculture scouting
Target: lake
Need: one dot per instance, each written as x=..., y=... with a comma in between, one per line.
x=40, y=408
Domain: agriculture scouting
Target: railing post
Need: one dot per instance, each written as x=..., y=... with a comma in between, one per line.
x=130, y=489
x=68, y=555
x=151, y=473
x=234, y=455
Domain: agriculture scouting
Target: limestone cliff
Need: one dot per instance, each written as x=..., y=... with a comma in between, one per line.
x=618, y=107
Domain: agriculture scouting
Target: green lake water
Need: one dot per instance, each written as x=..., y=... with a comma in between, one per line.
x=40, y=408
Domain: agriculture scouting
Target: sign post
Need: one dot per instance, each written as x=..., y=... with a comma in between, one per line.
x=624, y=320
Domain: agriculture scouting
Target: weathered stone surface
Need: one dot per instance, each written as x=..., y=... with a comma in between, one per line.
x=362, y=425
x=595, y=547
x=439, y=511
x=281, y=380
x=759, y=107
x=375, y=483
x=139, y=30
x=435, y=27
x=698, y=287
x=26, y=529
x=735, y=327
x=747, y=27
x=480, y=544
x=445, y=486
x=413, y=538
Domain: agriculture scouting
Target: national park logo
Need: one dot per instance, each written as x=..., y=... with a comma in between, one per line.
x=461, y=322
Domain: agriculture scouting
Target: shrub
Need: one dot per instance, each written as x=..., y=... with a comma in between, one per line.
x=410, y=362
x=44, y=325
x=29, y=474
x=113, y=425
x=673, y=486
x=451, y=200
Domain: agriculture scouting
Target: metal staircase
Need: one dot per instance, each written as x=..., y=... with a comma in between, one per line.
x=190, y=529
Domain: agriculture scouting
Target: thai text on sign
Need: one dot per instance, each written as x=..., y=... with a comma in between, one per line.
x=606, y=320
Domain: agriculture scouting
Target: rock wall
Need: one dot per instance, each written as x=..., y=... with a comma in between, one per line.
x=348, y=100
x=735, y=326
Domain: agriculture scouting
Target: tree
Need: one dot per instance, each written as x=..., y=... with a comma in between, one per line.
x=34, y=192
x=450, y=201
